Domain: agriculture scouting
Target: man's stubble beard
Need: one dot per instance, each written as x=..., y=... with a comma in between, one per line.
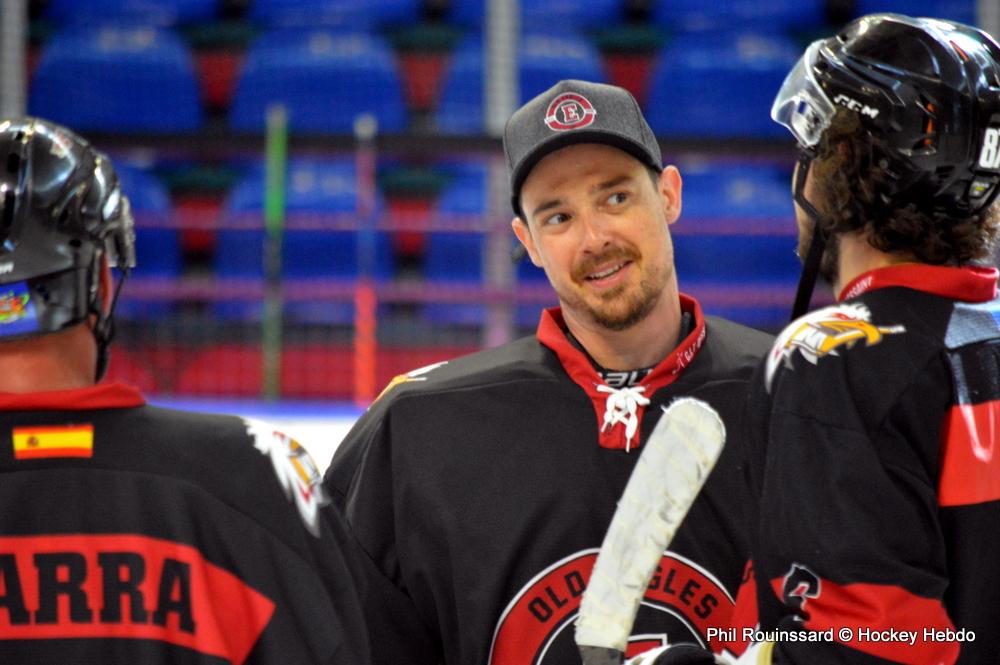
x=638, y=305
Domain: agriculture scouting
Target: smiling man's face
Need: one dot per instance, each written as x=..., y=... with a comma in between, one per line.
x=598, y=225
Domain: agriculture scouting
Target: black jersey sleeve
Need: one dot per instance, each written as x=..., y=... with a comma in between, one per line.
x=360, y=481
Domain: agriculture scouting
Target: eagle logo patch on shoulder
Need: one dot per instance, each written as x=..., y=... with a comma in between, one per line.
x=297, y=473
x=414, y=375
x=823, y=332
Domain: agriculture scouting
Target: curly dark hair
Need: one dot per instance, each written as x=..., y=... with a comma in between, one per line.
x=849, y=173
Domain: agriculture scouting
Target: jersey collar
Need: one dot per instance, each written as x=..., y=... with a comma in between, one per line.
x=101, y=396
x=552, y=333
x=967, y=283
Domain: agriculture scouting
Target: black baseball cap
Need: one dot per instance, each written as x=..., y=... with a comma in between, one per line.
x=573, y=112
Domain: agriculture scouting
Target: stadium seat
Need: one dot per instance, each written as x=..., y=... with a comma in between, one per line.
x=963, y=11
x=158, y=252
x=719, y=84
x=734, y=243
x=346, y=13
x=544, y=15
x=325, y=79
x=122, y=79
x=147, y=12
x=320, y=241
x=456, y=257
x=770, y=16
x=544, y=60
x=736, y=198
x=157, y=243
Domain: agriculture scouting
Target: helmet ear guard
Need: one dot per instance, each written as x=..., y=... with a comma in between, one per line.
x=62, y=213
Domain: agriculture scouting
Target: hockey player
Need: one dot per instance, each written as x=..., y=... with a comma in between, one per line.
x=481, y=488
x=875, y=422
x=129, y=533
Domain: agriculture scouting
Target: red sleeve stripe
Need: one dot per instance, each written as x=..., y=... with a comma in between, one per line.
x=872, y=612
x=970, y=461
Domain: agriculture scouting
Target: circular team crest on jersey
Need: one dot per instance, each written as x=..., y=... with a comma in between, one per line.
x=681, y=602
x=569, y=111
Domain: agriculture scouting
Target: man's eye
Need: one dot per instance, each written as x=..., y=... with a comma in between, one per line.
x=558, y=218
x=617, y=198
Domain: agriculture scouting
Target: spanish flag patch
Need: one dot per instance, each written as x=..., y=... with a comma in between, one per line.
x=54, y=441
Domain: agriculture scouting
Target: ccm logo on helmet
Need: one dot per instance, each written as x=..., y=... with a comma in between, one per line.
x=856, y=106
x=569, y=111
x=989, y=157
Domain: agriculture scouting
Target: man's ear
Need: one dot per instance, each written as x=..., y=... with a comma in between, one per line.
x=670, y=185
x=523, y=234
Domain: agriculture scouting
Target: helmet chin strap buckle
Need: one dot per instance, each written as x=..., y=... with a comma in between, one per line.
x=814, y=256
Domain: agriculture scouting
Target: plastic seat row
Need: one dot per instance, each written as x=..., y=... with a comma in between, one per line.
x=776, y=14
x=673, y=14
x=141, y=79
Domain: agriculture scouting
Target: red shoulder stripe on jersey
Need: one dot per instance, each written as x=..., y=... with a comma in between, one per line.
x=968, y=283
x=552, y=333
x=970, y=455
x=881, y=608
x=126, y=586
x=102, y=396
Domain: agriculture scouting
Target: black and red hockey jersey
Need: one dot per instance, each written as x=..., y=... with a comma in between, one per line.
x=135, y=534
x=875, y=467
x=481, y=489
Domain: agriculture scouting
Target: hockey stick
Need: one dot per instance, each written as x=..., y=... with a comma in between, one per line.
x=679, y=455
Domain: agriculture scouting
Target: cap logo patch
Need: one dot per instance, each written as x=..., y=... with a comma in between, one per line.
x=569, y=111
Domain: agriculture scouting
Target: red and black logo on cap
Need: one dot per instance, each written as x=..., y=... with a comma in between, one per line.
x=569, y=111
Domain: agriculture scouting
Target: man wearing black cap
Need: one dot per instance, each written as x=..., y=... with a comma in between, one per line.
x=480, y=489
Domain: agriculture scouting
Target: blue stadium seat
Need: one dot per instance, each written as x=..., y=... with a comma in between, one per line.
x=346, y=13
x=770, y=16
x=963, y=11
x=544, y=60
x=758, y=195
x=325, y=79
x=719, y=84
x=309, y=252
x=157, y=243
x=545, y=14
x=456, y=257
x=734, y=243
x=122, y=79
x=148, y=12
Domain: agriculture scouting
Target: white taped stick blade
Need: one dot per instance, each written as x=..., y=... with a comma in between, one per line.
x=672, y=468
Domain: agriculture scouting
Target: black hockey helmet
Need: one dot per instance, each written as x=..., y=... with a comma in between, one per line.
x=61, y=210
x=928, y=89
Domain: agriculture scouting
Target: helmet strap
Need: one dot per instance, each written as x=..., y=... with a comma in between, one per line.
x=814, y=256
x=104, y=330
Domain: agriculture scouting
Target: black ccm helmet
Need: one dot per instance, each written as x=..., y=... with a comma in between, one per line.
x=61, y=210
x=928, y=89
